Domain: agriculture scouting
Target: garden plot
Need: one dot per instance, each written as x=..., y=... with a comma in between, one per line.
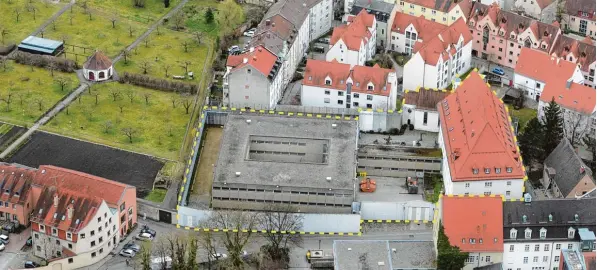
x=122, y=166
x=128, y=117
x=28, y=92
x=31, y=14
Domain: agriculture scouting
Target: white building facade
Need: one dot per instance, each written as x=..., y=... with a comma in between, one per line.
x=321, y=15
x=533, y=85
x=355, y=42
x=419, y=108
x=542, y=10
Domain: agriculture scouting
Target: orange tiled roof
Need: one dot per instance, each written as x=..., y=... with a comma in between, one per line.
x=578, y=97
x=98, y=61
x=317, y=71
x=446, y=39
x=261, y=59
x=478, y=218
x=478, y=134
x=441, y=5
x=425, y=29
x=542, y=67
x=355, y=32
x=17, y=180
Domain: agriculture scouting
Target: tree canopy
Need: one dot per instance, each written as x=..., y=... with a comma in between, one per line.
x=448, y=257
x=553, y=126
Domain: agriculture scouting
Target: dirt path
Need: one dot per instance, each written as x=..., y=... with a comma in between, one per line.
x=208, y=158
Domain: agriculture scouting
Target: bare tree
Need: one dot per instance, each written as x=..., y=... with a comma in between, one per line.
x=70, y=18
x=186, y=100
x=185, y=44
x=240, y=225
x=145, y=66
x=185, y=65
x=4, y=64
x=64, y=38
x=166, y=67
x=131, y=31
x=62, y=82
x=208, y=243
x=129, y=132
x=144, y=258
x=161, y=250
x=281, y=218
x=146, y=96
x=131, y=95
x=8, y=100
x=114, y=19
x=107, y=126
x=126, y=54
x=87, y=11
x=121, y=106
x=17, y=11
x=174, y=101
x=198, y=36
x=33, y=9
x=115, y=93
x=40, y=103
x=178, y=20
x=51, y=67
x=3, y=33
x=576, y=126
x=54, y=23
x=96, y=95
x=146, y=41
x=178, y=249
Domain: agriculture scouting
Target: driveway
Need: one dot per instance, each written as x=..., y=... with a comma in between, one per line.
x=13, y=257
x=481, y=64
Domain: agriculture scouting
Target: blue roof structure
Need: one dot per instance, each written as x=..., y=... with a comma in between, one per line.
x=40, y=44
x=585, y=234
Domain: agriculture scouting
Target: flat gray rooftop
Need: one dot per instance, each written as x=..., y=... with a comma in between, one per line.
x=299, y=152
x=383, y=254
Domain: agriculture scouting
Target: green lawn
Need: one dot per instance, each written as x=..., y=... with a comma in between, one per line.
x=27, y=23
x=124, y=9
x=32, y=91
x=523, y=115
x=156, y=195
x=93, y=34
x=166, y=50
x=158, y=127
x=195, y=13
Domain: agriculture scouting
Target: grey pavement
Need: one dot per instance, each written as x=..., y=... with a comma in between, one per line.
x=51, y=19
x=429, y=138
x=290, y=94
x=12, y=257
x=484, y=65
x=389, y=189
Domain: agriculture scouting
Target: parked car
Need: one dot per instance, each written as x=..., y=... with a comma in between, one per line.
x=29, y=242
x=127, y=253
x=498, y=71
x=2, y=246
x=148, y=230
x=249, y=33
x=10, y=227
x=158, y=262
x=4, y=239
x=132, y=246
x=218, y=256
x=233, y=49
x=30, y=264
x=318, y=49
x=144, y=236
x=324, y=40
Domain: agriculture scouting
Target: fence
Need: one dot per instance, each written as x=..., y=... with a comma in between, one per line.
x=414, y=211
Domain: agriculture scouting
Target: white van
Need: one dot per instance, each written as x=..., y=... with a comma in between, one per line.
x=157, y=262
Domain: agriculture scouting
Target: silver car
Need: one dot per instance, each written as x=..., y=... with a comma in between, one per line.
x=127, y=253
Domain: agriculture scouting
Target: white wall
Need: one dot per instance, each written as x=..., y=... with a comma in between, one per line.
x=515, y=260
x=416, y=117
x=533, y=87
x=414, y=73
x=316, y=97
x=322, y=15
x=254, y=85
x=480, y=259
x=397, y=42
x=530, y=7
x=342, y=54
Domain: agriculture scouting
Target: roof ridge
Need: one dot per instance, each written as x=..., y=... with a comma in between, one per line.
x=86, y=175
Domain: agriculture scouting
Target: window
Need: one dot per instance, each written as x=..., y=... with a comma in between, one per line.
x=475, y=171
x=92, y=233
x=558, y=246
x=42, y=228
x=248, y=71
x=82, y=236
x=542, y=233
x=340, y=102
x=328, y=82
x=423, y=9
x=433, y=12
x=355, y=95
x=99, y=219
x=488, y=259
x=546, y=248
x=54, y=231
x=509, y=169
x=101, y=250
x=466, y=185
x=425, y=118
x=537, y=247
x=70, y=260
x=538, y=85
x=569, y=246
x=69, y=236
x=525, y=260
x=57, y=242
x=536, y=259
x=487, y=193
x=527, y=248
x=488, y=184
x=556, y=259
x=571, y=232
x=36, y=235
x=508, y=183
x=369, y=106
x=527, y=232
x=487, y=171
x=370, y=87
x=70, y=246
x=401, y=3
x=356, y=104
x=507, y=193
x=92, y=243
x=470, y=259
x=93, y=255
x=472, y=240
x=511, y=248
x=327, y=92
x=369, y=97
x=38, y=248
x=99, y=229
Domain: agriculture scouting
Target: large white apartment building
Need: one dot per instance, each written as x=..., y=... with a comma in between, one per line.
x=285, y=32
x=382, y=10
x=480, y=154
x=536, y=231
x=355, y=42
x=439, y=53
x=337, y=85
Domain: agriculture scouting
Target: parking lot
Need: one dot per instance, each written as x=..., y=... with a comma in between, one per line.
x=14, y=255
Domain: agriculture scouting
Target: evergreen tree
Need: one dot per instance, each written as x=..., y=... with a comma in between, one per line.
x=166, y=3
x=553, y=126
x=449, y=257
x=209, y=16
x=531, y=142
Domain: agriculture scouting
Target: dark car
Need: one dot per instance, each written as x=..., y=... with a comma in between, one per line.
x=132, y=246
x=10, y=227
x=30, y=264
x=146, y=229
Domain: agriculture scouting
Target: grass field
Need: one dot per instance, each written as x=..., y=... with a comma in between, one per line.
x=208, y=157
x=31, y=92
x=166, y=51
x=156, y=195
x=158, y=128
x=122, y=166
x=94, y=34
x=32, y=15
x=195, y=13
x=153, y=10
x=523, y=115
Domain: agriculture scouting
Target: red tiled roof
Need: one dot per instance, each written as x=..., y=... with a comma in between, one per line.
x=425, y=29
x=98, y=61
x=260, y=58
x=478, y=134
x=47, y=212
x=17, y=180
x=478, y=218
x=355, y=32
x=317, y=71
x=578, y=97
x=544, y=3
x=447, y=38
x=540, y=66
x=583, y=51
x=441, y=5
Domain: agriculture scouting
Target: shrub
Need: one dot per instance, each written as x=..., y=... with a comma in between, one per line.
x=297, y=77
x=411, y=127
x=44, y=61
x=394, y=131
x=5, y=50
x=157, y=84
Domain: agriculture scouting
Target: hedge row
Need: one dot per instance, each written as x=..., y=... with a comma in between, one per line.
x=157, y=84
x=45, y=61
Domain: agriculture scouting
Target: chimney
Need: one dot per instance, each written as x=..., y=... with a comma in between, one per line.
x=273, y=24
x=254, y=58
x=245, y=60
x=56, y=200
x=568, y=83
x=268, y=22
x=70, y=211
x=252, y=49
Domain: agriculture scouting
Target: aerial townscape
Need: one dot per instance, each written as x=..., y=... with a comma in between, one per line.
x=298, y=134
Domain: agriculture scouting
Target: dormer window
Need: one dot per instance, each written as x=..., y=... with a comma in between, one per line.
x=472, y=240
x=542, y=233
x=550, y=217
x=310, y=78
x=502, y=33
x=480, y=240
x=524, y=219
x=513, y=233
x=512, y=36
x=498, y=170
x=487, y=170
x=328, y=82
x=475, y=171
x=358, y=84
x=527, y=233
x=7, y=191
x=341, y=81
x=463, y=240
x=571, y=233
x=370, y=87
x=576, y=218
x=509, y=169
